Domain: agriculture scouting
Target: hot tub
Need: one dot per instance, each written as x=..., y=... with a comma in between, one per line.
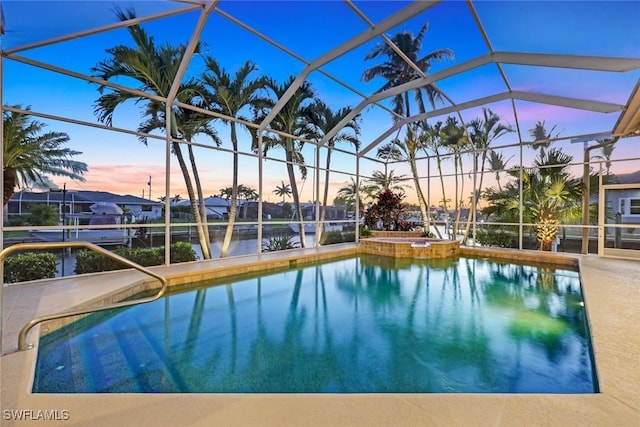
x=410, y=247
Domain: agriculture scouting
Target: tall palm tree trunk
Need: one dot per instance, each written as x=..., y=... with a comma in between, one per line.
x=472, y=216
x=296, y=197
x=325, y=196
x=406, y=103
x=234, y=195
x=421, y=200
x=444, y=196
x=477, y=199
x=9, y=181
x=459, y=195
x=476, y=192
x=456, y=203
x=203, y=207
x=204, y=243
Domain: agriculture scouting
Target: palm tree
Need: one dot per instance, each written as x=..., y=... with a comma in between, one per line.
x=605, y=154
x=324, y=120
x=283, y=191
x=406, y=151
x=380, y=181
x=247, y=194
x=541, y=137
x=455, y=138
x=229, y=96
x=30, y=154
x=396, y=71
x=155, y=68
x=225, y=193
x=349, y=194
x=431, y=139
x=497, y=164
x=186, y=125
x=294, y=119
x=483, y=132
x=550, y=195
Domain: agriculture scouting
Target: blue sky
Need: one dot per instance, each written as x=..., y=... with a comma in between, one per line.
x=310, y=29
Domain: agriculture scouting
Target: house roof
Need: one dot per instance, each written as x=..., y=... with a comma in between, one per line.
x=629, y=178
x=82, y=197
x=210, y=202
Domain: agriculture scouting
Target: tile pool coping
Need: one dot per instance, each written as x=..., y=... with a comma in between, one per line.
x=611, y=289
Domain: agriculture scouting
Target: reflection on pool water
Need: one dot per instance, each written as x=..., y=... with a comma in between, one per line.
x=367, y=324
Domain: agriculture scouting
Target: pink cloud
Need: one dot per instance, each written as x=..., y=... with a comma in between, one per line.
x=133, y=179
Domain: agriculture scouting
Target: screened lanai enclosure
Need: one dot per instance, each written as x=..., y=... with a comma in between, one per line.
x=252, y=126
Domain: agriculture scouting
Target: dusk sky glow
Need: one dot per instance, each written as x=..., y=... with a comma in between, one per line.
x=121, y=164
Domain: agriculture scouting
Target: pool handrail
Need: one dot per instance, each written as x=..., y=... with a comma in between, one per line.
x=22, y=337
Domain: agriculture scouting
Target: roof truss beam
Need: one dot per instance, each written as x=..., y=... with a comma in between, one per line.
x=628, y=123
x=593, y=63
x=102, y=29
x=394, y=20
x=561, y=101
x=576, y=62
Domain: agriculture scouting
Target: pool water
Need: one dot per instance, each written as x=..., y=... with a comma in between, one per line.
x=367, y=324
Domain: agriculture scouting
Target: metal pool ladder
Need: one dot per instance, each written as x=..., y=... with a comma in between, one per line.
x=22, y=337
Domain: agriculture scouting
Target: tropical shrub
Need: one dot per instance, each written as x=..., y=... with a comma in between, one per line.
x=386, y=211
x=403, y=226
x=349, y=236
x=279, y=243
x=493, y=236
x=43, y=215
x=550, y=196
x=30, y=266
x=365, y=231
x=92, y=262
x=428, y=233
x=18, y=221
x=332, y=237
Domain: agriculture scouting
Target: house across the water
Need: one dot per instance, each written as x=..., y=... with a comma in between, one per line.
x=77, y=202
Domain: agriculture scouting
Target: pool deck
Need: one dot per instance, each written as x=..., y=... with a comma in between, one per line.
x=612, y=295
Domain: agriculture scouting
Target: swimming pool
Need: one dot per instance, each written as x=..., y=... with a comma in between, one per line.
x=366, y=324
